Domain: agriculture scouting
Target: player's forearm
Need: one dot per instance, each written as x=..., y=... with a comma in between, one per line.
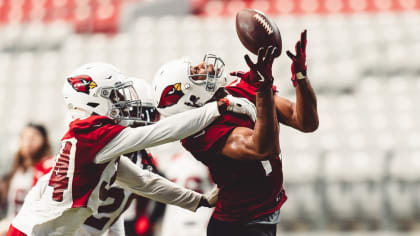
x=306, y=106
x=167, y=130
x=305, y=115
x=153, y=186
x=266, y=130
x=183, y=125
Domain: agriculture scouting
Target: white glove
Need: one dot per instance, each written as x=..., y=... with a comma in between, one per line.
x=212, y=196
x=242, y=106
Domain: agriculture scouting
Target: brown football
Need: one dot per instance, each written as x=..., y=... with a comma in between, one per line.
x=256, y=30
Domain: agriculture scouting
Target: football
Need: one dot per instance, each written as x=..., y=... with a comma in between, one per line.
x=256, y=30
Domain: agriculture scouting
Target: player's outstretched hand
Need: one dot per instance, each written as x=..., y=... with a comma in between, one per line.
x=260, y=74
x=299, y=60
x=212, y=196
x=238, y=105
x=210, y=199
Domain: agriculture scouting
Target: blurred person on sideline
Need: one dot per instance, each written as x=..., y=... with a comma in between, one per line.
x=184, y=170
x=32, y=160
x=243, y=155
x=103, y=104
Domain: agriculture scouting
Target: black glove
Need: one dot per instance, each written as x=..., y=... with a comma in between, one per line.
x=260, y=74
x=204, y=202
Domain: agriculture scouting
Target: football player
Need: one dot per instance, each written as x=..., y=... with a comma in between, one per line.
x=243, y=156
x=102, y=103
x=107, y=220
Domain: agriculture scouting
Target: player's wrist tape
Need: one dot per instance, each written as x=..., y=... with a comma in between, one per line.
x=298, y=76
x=223, y=105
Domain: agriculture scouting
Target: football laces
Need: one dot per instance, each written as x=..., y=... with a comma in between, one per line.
x=264, y=23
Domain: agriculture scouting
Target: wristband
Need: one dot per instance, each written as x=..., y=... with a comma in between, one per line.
x=226, y=101
x=266, y=85
x=298, y=76
x=223, y=105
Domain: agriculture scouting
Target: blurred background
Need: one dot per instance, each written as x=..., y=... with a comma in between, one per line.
x=358, y=174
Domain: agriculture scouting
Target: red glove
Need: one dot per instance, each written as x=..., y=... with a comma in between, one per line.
x=299, y=60
x=259, y=75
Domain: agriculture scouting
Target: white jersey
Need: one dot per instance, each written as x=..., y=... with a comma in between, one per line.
x=88, y=164
x=184, y=170
x=107, y=220
x=20, y=184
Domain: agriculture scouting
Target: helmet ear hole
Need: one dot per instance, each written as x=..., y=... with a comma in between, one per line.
x=194, y=99
x=93, y=104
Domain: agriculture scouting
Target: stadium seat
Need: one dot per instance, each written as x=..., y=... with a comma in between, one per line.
x=401, y=191
x=367, y=89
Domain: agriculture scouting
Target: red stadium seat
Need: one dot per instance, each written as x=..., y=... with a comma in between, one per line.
x=207, y=7
x=85, y=15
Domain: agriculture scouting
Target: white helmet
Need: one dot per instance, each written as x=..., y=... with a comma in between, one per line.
x=100, y=89
x=177, y=90
x=147, y=110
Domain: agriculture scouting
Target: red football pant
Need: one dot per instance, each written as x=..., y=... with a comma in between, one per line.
x=14, y=232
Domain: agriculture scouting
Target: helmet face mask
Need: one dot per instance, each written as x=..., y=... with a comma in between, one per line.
x=144, y=112
x=124, y=101
x=217, y=66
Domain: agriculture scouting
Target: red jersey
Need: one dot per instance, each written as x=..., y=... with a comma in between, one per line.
x=88, y=136
x=248, y=189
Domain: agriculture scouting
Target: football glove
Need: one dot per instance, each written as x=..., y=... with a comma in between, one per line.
x=260, y=74
x=210, y=198
x=299, y=60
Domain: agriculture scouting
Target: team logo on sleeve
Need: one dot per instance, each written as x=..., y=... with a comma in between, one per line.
x=82, y=83
x=170, y=95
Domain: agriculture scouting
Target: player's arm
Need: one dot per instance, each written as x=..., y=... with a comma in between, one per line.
x=153, y=186
x=172, y=128
x=303, y=114
x=262, y=142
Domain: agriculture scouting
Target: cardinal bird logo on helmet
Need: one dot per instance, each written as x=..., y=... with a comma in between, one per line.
x=170, y=95
x=82, y=83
